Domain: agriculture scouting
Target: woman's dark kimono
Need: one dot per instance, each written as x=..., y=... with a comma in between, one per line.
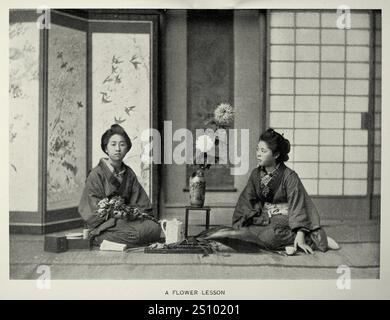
x=255, y=227
x=102, y=183
x=275, y=231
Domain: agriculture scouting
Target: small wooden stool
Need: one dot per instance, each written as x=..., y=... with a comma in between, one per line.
x=188, y=209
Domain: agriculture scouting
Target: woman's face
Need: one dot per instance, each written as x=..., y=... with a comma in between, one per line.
x=264, y=155
x=117, y=147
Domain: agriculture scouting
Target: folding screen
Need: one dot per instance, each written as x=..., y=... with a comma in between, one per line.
x=66, y=116
x=24, y=114
x=48, y=142
x=68, y=84
x=122, y=88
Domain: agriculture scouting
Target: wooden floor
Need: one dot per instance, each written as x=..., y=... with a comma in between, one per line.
x=359, y=241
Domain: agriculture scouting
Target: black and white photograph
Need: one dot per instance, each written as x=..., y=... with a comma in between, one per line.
x=195, y=143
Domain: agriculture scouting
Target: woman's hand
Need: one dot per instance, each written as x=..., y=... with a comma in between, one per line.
x=300, y=242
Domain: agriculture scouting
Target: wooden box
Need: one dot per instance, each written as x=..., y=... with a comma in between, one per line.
x=55, y=244
x=79, y=244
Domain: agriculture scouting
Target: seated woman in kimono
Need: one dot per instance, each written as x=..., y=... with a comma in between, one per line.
x=112, y=178
x=274, y=210
x=274, y=206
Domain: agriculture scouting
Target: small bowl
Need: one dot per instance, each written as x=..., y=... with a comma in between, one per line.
x=290, y=251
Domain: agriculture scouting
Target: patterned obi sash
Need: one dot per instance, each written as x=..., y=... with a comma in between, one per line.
x=272, y=209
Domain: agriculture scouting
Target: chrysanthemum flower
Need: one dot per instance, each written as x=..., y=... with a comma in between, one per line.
x=204, y=143
x=224, y=114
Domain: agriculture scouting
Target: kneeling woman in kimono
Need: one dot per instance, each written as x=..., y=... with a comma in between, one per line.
x=112, y=178
x=274, y=207
x=274, y=210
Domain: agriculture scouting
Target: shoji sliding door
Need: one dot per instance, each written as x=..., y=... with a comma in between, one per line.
x=324, y=94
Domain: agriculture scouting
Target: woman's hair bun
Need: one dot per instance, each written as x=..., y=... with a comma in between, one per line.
x=114, y=129
x=277, y=143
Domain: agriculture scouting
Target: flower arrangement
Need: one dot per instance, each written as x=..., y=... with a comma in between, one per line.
x=116, y=207
x=223, y=118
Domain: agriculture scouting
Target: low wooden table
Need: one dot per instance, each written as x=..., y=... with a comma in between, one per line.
x=190, y=208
